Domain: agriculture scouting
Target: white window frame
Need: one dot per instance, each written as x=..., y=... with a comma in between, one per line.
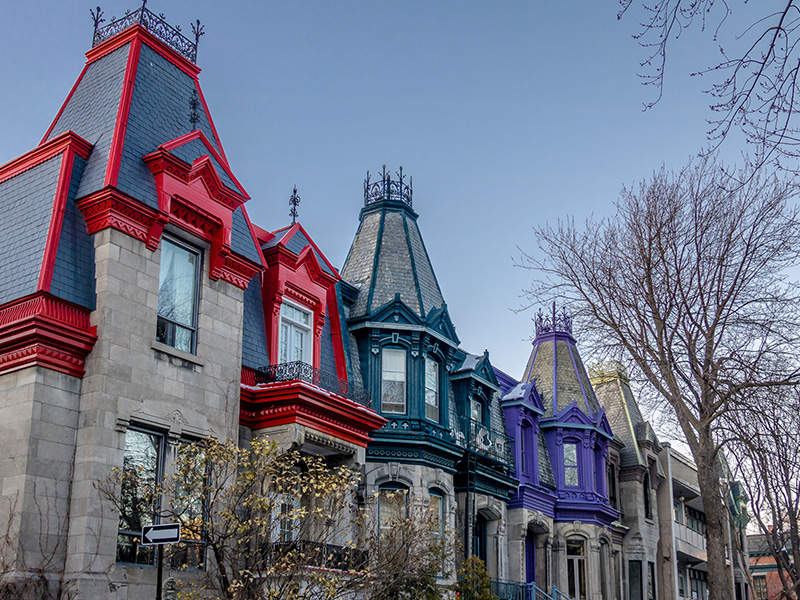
x=294, y=326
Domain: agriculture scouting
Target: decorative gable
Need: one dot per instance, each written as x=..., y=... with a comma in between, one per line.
x=396, y=311
x=439, y=320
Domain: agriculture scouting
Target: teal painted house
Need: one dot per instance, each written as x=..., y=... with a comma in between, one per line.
x=445, y=439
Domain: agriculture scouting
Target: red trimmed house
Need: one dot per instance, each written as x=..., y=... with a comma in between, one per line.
x=140, y=307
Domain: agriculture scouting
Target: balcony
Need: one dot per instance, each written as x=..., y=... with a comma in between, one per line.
x=481, y=439
x=690, y=542
x=300, y=371
x=305, y=553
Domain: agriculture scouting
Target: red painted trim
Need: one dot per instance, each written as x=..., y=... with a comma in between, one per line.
x=38, y=155
x=197, y=134
x=56, y=220
x=121, y=126
x=298, y=402
x=111, y=208
x=137, y=31
x=248, y=376
x=213, y=127
x=63, y=106
x=336, y=334
x=311, y=241
x=47, y=331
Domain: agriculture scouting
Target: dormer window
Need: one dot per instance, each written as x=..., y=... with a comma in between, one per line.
x=431, y=389
x=476, y=410
x=393, y=380
x=295, y=337
x=571, y=478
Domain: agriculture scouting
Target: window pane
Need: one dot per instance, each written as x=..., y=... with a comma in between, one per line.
x=437, y=508
x=393, y=380
x=476, y=410
x=392, y=507
x=177, y=296
x=295, y=334
x=570, y=455
x=431, y=389
x=138, y=502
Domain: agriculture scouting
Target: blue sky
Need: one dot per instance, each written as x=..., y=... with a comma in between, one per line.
x=506, y=115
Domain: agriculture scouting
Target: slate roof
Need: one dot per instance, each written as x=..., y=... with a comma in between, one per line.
x=560, y=376
x=159, y=113
x=73, y=271
x=388, y=257
x=242, y=241
x=545, y=466
x=26, y=202
x=91, y=112
x=327, y=358
x=254, y=337
x=624, y=416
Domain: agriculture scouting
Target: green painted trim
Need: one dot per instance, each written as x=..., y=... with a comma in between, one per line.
x=378, y=244
x=383, y=325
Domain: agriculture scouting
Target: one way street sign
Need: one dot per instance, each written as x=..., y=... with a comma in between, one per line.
x=166, y=533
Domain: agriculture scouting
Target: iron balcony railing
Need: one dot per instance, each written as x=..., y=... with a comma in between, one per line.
x=316, y=554
x=481, y=439
x=300, y=371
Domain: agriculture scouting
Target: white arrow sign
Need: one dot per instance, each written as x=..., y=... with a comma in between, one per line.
x=166, y=533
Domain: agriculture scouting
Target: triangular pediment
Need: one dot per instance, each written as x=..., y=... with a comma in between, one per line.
x=602, y=424
x=439, y=320
x=525, y=394
x=573, y=414
x=396, y=311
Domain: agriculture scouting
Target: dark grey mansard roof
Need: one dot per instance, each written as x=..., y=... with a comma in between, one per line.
x=388, y=257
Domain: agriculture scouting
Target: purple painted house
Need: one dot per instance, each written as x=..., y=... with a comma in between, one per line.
x=560, y=519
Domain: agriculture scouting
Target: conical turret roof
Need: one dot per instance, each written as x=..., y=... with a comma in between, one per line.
x=556, y=367
x=388, y=256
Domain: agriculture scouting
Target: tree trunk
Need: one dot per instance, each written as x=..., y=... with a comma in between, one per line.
x=720, y=586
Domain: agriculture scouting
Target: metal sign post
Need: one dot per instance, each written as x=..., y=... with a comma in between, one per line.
x=159, y=535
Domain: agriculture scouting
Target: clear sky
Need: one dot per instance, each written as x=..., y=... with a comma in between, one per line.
x=506, y=114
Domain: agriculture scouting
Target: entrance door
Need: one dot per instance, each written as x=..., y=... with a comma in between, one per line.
x=576, y=569
x=530, y=557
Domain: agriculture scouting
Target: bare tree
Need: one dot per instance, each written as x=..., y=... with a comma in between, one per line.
x=686, y=285
x=764, y=440
x=280, y=524
x=754, y=79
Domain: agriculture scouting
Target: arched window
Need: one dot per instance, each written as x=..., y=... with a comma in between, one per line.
x=392, y=505
x=393, y=380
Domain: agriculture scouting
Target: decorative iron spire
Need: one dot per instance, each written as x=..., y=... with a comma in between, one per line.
x=551, y=324
x=386, y=189
x=293, y=202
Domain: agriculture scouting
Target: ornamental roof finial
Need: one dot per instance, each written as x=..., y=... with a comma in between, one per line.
x=293, y=202
x=553, y=323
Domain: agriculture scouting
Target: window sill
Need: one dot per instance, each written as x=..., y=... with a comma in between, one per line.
x=186, y=357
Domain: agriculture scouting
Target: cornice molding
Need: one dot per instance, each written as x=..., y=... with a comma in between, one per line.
x=47, y=331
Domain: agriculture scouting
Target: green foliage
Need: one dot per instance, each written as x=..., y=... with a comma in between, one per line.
x=473, y=581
